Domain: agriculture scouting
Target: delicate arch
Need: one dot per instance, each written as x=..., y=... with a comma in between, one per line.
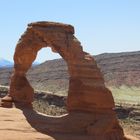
x=90, y=104
x=86, y=85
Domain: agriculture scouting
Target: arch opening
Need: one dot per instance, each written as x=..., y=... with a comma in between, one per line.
x=45, y=54
x=50, y=80
x=51, y=75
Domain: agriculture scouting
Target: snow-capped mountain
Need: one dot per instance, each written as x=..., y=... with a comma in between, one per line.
x=5, y=63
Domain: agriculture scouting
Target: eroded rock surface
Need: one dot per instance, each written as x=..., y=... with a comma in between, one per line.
x=26, y=124
x=90, y=104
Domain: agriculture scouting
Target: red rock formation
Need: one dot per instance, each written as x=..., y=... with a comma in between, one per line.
x=90, y=103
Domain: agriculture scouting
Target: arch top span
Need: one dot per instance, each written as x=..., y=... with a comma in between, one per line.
x=55, y=25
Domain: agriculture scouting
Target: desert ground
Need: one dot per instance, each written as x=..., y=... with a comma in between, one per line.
x=127, y=106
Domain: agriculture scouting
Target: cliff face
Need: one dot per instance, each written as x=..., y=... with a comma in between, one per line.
x=51, y=75
x=118, y=69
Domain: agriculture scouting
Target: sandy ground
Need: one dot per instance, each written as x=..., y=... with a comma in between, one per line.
x=14, y=125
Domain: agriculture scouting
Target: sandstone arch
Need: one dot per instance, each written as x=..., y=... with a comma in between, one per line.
x=85, y=77
x=87, y=96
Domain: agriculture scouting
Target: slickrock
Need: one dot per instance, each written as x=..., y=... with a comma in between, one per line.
x=26, y=124
x=14, y=126
x=90, y=104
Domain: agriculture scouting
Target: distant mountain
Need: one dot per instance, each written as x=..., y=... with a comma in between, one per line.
x=120, y=68
x=117, y=68
x=5, y=63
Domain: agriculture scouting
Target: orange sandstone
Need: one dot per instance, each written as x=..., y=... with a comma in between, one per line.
x=90, y=104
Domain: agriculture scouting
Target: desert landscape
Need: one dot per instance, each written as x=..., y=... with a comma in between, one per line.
x=70, y=70
x=90, y=105
x=121, y=72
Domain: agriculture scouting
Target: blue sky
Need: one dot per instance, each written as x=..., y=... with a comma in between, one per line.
x=101, y=25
